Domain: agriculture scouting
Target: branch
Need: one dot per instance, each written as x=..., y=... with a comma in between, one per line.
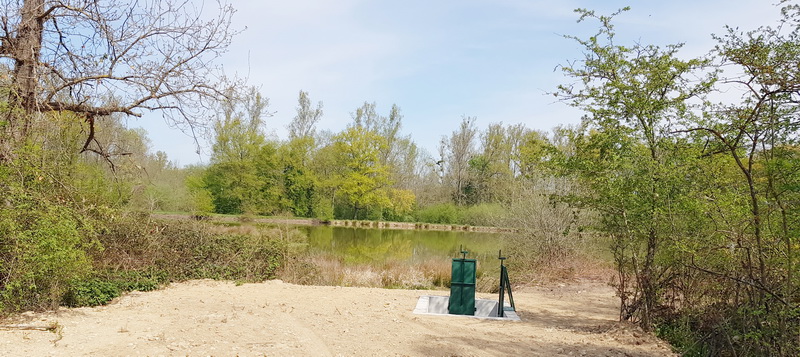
x=738, y=280
x=50, y=327
x=88, y=110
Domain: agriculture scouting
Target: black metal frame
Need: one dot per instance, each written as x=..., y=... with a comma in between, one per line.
x=505, y=284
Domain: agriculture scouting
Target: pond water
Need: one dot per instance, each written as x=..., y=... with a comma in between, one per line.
x=354, y=246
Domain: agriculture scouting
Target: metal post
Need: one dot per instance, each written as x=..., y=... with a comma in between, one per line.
x=500, y=307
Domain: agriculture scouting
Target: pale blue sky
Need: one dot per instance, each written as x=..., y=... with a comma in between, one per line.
x=437, y=60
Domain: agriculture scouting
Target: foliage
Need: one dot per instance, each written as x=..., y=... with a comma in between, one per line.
x=447, y=213
x=550, y=234
x=699, y=201
x=485, y=214
x=401, y=205
x=200, y=201
x=174, y=251
x=243, y=175
x=363, y=179
x=92, y=292
x=65, y=243
x=634, y=170
x=45, y=240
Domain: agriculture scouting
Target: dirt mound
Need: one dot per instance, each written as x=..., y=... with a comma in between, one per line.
x=274, y=318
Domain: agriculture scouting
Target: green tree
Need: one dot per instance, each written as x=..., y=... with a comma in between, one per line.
x=632, y=96
x=754, y=141
x=363, y=180
x=304, y=122
x=301, y=186
x=236, y=178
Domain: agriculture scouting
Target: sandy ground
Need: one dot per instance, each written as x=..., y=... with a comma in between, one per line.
x=210, y=318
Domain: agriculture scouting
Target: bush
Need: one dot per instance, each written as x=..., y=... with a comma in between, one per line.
x=160, y=251
x=92, y=292
x=44, y=247
x=683, y=338
x=445, y=213
x=146, y=280
x=102, y=288
x=484, y=214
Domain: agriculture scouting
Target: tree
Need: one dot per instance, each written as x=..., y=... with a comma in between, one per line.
x=304, y=122
x=531, y=153
x=387, y=128
x=755, y=141
x=633, y=96
x=456, y=152
x=238, y=128
x=491, y=170
x=363, y=180
x=98, y=58
x=241, y=176
x=300, y=182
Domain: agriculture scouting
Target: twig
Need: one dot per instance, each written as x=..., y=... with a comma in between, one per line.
x=50, y=327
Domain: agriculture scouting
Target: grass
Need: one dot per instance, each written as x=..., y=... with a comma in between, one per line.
x=325, y=269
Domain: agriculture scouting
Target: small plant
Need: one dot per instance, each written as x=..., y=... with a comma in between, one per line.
x=92, y=292
x=147, y=280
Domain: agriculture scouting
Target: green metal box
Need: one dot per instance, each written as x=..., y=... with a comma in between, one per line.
x=462, y=287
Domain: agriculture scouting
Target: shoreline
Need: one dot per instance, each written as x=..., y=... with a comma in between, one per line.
x=338, y=223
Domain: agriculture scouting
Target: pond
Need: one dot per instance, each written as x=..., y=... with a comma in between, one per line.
x=370, y=246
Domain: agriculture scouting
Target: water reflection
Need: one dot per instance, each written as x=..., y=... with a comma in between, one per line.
x=377, y=246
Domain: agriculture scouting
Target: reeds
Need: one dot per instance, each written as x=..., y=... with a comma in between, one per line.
x=322, y=269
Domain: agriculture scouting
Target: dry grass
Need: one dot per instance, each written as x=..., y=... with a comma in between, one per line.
x=576, y=266
x=328, y=270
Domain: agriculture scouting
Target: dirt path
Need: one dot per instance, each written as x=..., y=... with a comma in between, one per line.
x=210, y=318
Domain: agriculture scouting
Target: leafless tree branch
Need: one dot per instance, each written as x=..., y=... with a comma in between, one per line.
x=73, y=55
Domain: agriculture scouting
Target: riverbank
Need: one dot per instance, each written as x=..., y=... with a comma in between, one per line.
x=204, y=317
x=335, y=223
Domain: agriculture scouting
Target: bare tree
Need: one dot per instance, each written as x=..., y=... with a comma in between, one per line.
x=72, y=55
x=304, y=123
x=456, y=151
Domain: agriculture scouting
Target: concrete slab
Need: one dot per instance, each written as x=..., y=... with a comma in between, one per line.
x=484, y=309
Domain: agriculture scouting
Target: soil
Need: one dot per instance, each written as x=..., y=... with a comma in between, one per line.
x=213, y=318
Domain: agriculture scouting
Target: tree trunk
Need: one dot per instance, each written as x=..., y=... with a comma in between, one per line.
x=25, y=49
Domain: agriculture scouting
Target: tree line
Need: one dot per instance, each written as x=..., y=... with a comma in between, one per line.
x=369, y=170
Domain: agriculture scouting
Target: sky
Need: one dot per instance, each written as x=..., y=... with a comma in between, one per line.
x=438, y=60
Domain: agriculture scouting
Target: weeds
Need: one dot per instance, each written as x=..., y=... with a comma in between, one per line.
x=328, y=270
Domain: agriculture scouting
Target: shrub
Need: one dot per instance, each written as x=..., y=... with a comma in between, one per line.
x=144, y=280
x=159, y=251
x=92, y=292
x=43, y=248
x=484, y=214
x=446, y=213
x=103, y=287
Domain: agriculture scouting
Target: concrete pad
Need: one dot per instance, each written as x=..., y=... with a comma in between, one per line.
x=484, y=309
